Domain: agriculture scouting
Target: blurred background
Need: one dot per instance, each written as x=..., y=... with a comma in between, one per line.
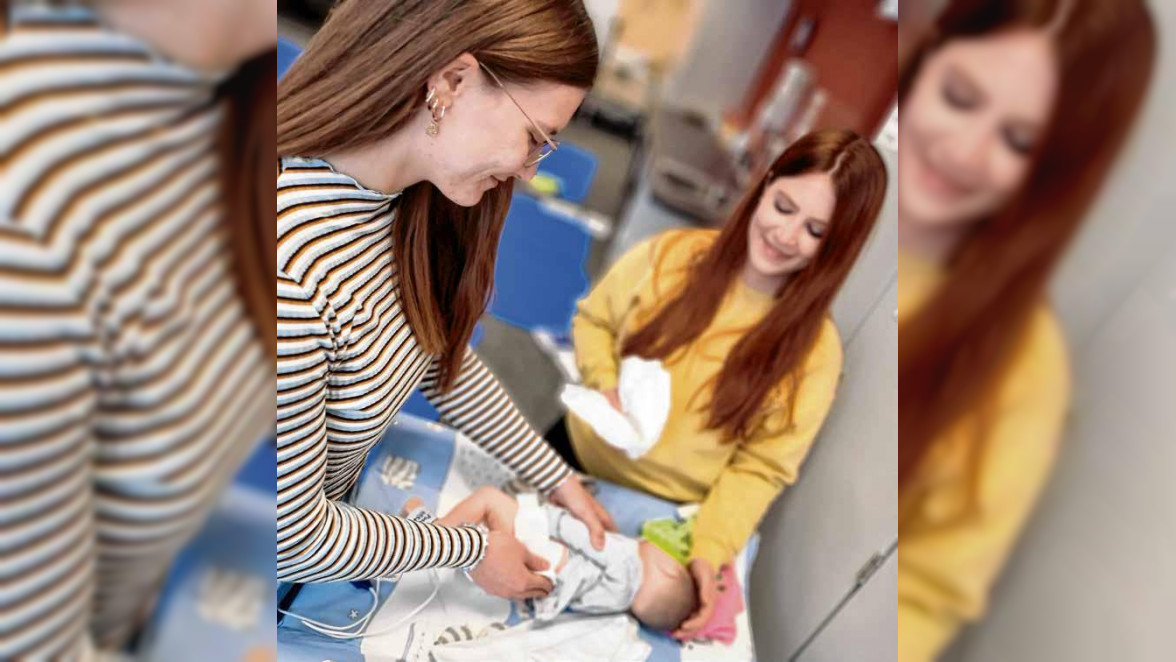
x=693, y=97
x=1093, y=576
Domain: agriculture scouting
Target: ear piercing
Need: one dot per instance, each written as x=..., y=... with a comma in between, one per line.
x=436, y=110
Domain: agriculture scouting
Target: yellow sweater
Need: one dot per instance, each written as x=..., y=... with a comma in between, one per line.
x=951, y=548
x=735, y=482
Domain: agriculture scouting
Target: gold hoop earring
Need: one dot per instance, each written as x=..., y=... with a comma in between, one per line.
x=438, y=112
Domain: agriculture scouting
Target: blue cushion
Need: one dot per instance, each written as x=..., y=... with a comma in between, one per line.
x=287, y=53
x=539, y=274
x=575, y=168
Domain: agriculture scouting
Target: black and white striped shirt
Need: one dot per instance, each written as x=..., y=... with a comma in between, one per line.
x=132, y=381
x=347, y=361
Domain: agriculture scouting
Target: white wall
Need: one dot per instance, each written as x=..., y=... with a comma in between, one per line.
x=1131, y=222
x=1094, y=577
x=602, y=13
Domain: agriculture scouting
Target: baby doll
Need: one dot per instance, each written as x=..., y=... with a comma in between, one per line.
x=627, y=575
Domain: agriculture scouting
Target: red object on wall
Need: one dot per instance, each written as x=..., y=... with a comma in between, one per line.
x=853, y=51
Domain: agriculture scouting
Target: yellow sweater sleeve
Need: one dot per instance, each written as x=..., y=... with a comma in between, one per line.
x=599, y=316
x=946, y=572
x=761, y=469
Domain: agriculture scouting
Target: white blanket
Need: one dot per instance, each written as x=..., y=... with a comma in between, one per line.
x=568, y=638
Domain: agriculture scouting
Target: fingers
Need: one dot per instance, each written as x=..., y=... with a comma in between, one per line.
x=684, y=633
x=534, y=595
x=699, y=620
x=701, y=616
x=605, y=518
x=596, y=531
x=536, y=562
x=690, y=627
x=539, y=583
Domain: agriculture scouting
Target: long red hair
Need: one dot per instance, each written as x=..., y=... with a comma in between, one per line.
x=360, y=80
x=953, y=352
x=774, y=349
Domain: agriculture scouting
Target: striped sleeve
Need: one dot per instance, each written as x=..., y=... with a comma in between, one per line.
x=321, y=539
x=480, y=408
x=47, y=524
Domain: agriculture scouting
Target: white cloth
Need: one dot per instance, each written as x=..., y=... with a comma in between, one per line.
x=531, y=529
x=593, y=581
x=569, y=638
x=643, y=388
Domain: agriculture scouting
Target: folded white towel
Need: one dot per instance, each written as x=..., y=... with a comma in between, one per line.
x=643, y=388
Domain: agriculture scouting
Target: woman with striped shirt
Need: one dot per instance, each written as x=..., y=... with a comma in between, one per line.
x=133, y=353
x=399, y=132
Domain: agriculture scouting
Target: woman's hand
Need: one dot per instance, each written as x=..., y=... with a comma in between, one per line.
x=508, y=569
x=614, y=398
x=706, y=581
x=572, y=496
x=501, y=509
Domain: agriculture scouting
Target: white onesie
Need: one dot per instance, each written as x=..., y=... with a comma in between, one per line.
x=592, y=581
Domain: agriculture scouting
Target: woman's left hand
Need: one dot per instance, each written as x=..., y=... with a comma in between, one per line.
x=572, y=496
x=706, y=581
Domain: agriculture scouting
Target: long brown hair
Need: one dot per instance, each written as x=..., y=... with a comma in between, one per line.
x=774, y=349
x=361, y=79
x=246, y=148
x=953, y=352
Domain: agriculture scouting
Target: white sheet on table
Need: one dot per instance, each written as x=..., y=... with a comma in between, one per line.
x=568, y=638
x=459, y=603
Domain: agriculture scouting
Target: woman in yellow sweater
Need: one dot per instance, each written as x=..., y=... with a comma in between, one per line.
x=1011, y=112
x=739, y=318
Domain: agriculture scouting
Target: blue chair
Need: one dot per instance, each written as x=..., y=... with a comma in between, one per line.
x=539, y=273
x=574, y=167
x=287, y=53
x=260, y=470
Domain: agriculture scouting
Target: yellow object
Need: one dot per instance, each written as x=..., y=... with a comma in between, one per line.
x=545, y=184
x=735, y=482
x=959, y=523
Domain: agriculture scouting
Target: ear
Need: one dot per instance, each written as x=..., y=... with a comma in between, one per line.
x=455, y=78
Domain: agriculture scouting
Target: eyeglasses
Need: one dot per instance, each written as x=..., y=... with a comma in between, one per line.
x=543, y=149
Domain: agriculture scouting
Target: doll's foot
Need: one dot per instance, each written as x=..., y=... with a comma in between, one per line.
x=412, y=504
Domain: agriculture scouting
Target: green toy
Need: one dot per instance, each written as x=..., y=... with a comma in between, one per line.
x=674, y=536
x=546, y=184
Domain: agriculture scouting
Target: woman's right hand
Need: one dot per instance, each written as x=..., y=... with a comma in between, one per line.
x=508, y=569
